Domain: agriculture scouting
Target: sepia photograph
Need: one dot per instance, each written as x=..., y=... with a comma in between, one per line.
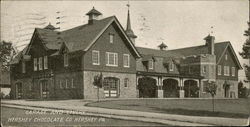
x=125, y=63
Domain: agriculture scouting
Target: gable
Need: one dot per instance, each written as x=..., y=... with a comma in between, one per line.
x=36, y=46
x=232, y=59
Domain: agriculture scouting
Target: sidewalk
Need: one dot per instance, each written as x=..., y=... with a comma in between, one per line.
x=78, y=105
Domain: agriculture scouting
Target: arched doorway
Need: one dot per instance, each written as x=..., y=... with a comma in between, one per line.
x=19, y=90
x=226, y=89
x=111, y=87
x=44, y=87
x=147, y=87
x=191, y=88
x=170, y=88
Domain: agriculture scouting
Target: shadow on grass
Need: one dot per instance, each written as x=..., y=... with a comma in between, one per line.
x=199, y=113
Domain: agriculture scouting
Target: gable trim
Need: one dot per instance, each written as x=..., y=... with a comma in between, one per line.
x=234, y=54
x=119, y=26
x=31, y=41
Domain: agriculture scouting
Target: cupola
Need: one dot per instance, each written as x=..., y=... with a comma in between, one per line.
x=93, y=15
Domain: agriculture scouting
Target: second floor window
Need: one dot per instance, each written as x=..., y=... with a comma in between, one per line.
x=204, y=69
x=126, y=60
x=233, y=71
x=126, y=82
x=219, y=70
x=66, y=84
x=151, y=64
x=95, y=57
x=111, y=59
x=45, y=62
x=66, y=60
x=35, y=64
x=40, y=63
x=23, y=67
x=72, y=83
x=226, y=70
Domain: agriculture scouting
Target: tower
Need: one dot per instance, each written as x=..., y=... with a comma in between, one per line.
x=129, y=30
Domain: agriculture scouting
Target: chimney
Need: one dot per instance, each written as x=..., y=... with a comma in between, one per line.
x=93, y=15
x=210, y=44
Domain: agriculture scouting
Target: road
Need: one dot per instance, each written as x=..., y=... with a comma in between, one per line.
x=22, y=117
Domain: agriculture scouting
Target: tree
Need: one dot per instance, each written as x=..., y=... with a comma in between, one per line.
x=242, y=91
x=6, y=54
x=246, y=51
x=98, y=83
x=211, y=88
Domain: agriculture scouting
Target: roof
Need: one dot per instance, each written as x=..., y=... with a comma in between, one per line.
x=94, y=11
x=188, y=51
x=19, y=55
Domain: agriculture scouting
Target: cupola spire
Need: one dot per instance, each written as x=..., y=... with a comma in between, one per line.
x=129, y=30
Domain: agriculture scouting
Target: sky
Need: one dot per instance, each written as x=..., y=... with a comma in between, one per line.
x=176, y=23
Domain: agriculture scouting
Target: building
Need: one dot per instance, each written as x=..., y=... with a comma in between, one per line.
x=63, y=65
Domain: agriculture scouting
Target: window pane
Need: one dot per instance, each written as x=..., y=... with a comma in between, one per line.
x=35, y=64
x=40, y=63
x=66, y=60
x=45, y=62
x=95, y=57
x=126, y=60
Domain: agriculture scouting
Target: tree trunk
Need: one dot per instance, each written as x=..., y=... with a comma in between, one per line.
x=213, y=102
x=98, y=94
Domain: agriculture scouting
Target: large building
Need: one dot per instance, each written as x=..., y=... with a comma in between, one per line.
x=65, y=65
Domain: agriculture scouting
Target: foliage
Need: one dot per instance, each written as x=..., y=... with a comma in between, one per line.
x=98, y=81
x=243, y=92
x=246, y=51
x=6, y=54
x=211, y=88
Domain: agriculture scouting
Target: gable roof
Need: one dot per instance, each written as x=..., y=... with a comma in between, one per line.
x=220, y=48
x=81, y=37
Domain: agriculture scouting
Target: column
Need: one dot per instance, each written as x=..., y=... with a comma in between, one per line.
x=181, y=91
x=159, y=87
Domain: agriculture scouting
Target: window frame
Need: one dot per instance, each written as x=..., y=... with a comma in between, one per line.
x=226, y=69
x=126, y=82
x=66, y=84
x=111, y=38
x=98, y=57
x=35, y=68
x=107, y=57
x=171, y=66
x=23, y=67
x=218, y=69
x=40, y=63
x=204, y=69
x=233, y=71
x=45, y=62
x=60, y=84
x=72, y=83
x=65, y=59
x=226, y=57
x=152, y=65
x=128, y=60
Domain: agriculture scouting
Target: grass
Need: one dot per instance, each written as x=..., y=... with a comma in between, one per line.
x=231, y=108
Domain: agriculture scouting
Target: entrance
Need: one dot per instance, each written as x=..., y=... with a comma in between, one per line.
x=19, y=90
x=44, y=89
x=147, y=87
x=111, y=86
x=170, y=88
x=191, y=88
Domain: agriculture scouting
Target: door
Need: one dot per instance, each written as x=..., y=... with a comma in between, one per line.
x=44, y=89
x=111, y=86
x=19, y=90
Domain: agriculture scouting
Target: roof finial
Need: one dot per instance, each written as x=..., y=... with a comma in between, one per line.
x=128, y=5
x=211, y=31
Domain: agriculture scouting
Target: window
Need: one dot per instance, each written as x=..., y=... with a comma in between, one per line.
x=151, y=64
x=171, y=66
x=45, y=62
x=35, y=64
x=126, y=82
x=23, y=67
x=111, y=59
x=225, y=56
x=204, y=69
x=66, y=60
x=95, y=57
x=226, y=70
x=233, y=71
x=60, y=84
x=66, y=84
x=190, y=69
x=40, y=63
x=205, y=84
x=219, y=70
x=126, y=60
x=111, y=38
x=72, y=83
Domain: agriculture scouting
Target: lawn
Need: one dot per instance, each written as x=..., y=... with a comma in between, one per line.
x=18, y=117
x=232, y=108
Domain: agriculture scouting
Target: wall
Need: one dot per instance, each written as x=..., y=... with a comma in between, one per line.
x=90, y=91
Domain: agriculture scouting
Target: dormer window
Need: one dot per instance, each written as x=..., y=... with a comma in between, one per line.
x=171, y=66
x=150, y=64
x=226, y=57
x=111, y=38
x=66, y=60
x=23, y=67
